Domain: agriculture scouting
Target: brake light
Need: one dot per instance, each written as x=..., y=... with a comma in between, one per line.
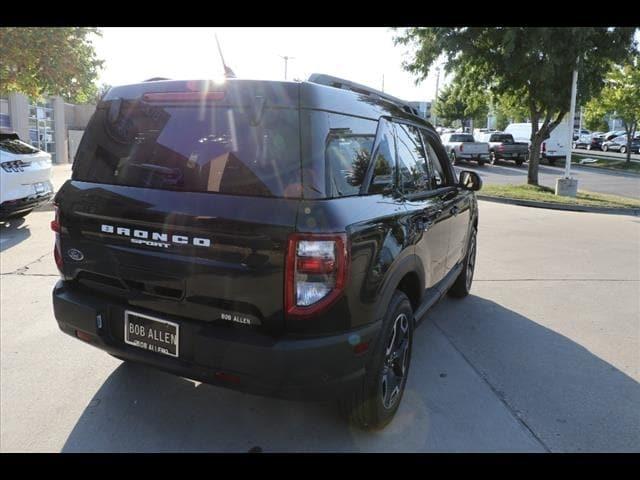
x=57, y=250
x=501, y=148
x=315, y=273
x=461, y=147
x=182, y=96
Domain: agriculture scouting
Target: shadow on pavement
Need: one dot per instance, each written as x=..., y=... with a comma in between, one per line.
x=12, y=232
x=571, y=398
x=555, y=385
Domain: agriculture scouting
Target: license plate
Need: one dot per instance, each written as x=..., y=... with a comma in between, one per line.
x=152, y=334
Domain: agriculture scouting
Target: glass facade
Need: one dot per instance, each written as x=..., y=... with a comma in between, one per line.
x=41, y=127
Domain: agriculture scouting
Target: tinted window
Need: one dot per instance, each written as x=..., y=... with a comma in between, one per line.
x=461, y=138
x=348, y=153
x=384, y=169
x=192, y=148
x=412, y=166
x=16, y=146
x=501, y=138
x=437, y=172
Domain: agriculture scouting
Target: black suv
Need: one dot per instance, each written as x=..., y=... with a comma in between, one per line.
x=279, y=238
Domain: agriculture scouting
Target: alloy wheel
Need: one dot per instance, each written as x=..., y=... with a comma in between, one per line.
x=394, y=369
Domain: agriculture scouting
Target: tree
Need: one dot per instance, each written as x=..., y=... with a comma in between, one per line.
x=460, y=101
x=40, y=61
x=533, y=65
x=593, y=118
x=620, y=96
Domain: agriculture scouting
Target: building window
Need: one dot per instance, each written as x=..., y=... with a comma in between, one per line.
x=42, y=128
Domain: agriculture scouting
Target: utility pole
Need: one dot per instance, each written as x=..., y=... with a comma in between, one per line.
x=286, y=62
x=568, y=186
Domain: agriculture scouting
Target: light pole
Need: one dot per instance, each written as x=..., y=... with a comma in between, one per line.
x=286, y=61
x=568, y=186
x=435, y=100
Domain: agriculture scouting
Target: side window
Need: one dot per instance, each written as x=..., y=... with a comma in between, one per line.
x=348, y=153
x=438, y=175
x=412, y=166
x=384, y=169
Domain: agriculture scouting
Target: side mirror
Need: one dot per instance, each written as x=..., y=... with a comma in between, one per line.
x=470, y=180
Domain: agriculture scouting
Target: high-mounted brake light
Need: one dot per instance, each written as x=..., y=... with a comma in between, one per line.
x=316, y=272
x=182, y=96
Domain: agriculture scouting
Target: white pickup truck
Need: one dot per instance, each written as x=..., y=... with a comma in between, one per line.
x=463, y=146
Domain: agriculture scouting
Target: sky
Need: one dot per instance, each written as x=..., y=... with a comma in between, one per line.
x=360, y=54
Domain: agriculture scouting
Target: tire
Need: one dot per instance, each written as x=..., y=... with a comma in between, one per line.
x=492, y=158
x=552, y=161
x=454, y=158
x=623, y=149
x=519, y=162
x=605, y=148
x=481, y=162
x=373, y=404
x=462, y=285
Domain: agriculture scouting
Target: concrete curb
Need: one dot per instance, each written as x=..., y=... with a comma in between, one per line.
x=557, y=206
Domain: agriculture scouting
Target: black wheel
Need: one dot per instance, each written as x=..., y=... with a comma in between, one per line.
x=462, y=285
x=492, y=158
x=454, y=158
x=480, y=162
x=519, y=162
x=623, y=149
x=552, y=161
x=375, y=402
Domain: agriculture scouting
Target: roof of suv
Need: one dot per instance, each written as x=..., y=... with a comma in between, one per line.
x=364, y=102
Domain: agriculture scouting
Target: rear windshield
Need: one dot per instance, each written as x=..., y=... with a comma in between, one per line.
x=462, y=138
x=193, y=148
x=501, y=138
x=16, y=146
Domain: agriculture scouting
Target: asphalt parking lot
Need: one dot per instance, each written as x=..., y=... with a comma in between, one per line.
x=542, y=356
x=590, y=179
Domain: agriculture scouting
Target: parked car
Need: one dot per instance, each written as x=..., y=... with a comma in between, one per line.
x=552, y=149
x=612, y=134
x=463, y=146
x=577, y=133
x=25, y=177
x=284, y=244
x=502, y=146
x=590, y=142
x=619, y=144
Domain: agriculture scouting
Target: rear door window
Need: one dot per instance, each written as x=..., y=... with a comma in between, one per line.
x=412, y=165
x=200, y=148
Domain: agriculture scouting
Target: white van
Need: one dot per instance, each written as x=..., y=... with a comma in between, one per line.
x=553, y=148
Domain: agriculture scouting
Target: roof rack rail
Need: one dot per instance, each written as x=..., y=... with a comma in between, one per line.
x=155, y=79
x=331, y=81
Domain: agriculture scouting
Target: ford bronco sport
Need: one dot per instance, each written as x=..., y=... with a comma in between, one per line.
x=279, y=238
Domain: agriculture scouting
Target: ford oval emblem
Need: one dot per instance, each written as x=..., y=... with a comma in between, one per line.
x=75, y=254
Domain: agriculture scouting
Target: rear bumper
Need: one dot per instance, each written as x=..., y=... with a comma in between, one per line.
x=473, y=155
x=12, y=207
x=232, y=357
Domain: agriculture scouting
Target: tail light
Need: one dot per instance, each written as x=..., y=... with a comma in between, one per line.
x=316, y=272
x=55, y=226
x=501, y=148
x=461, y=147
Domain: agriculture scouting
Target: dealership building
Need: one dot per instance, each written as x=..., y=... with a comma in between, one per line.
x=51, y=125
